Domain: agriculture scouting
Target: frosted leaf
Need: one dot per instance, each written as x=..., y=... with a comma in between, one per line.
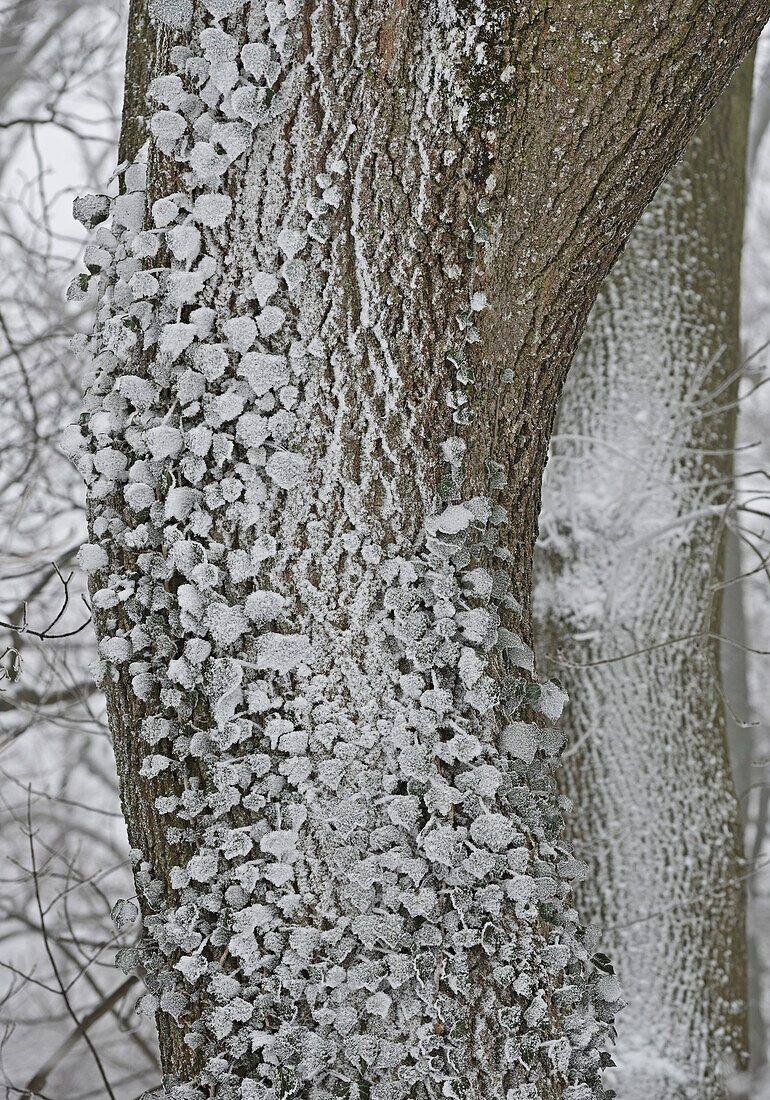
x=222, y=409
x=190, y=600
x=252, y=429
x=463, y=746
x=295, y=742
x=485, y=780
x=197, y=650
x=553, y=699
x=451, y=521
x=104, y=598
x=404, y=810
x=145, y=245
x=143, y=285
x=183, y=287
x=412, y=685
x=264, y=372
x=263, y=607
x=288, y=396
x=270, y=320
x=168, y=90
x=234, y=137
x=333, y=195
x=90, y=210
x=124, y=913
x=453, y=450
x=441, y=845
x=290, y=242
x=476, y=624
x=517, y=651
x=72, y=441
x=281, y=843
x=153, y=765
x=264, y=547
x=379, y=1005
x=175, y=338
x=128, y=211
x=241, y=332
x=111, y=462
x=164, y=441
x=226, y=624
x=147, y=1005
x=283, y=652
x=95, y=258
x=203, y=867
x=578, y=1092
x=180, y=502
x=174, y=13
x=247, y=104
x=493, y=831
x=223, y=76
x=265, y=286
x=258, y=60
x=167, y=127
x=211, y=360
x=116, y=650
x=220, y=8
x=156, y=729
x=205, y=575
x=212, y=210
x=207, y=163
x=218, y=46
x=203, y=317
x=520, y=740
x=471, y=667
x=609, y=988
x=190, y=386
x=224, y=1018
x=286, y=468
x=479, y=301
x=281, y=425
x=416, y=761
x=480, y=583
x=184, y=242
x=92, y=557
x=480, y=508
x=239, y=566
x=439, y=700
x=192, y=967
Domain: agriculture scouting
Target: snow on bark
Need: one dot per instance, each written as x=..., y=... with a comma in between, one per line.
x=632, y=523
x=351, y=866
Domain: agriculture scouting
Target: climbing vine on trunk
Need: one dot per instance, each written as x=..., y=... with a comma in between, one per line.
x=325, y=364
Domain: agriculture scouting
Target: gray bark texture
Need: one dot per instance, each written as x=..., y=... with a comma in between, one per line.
x=345, y=297
x=631, y=556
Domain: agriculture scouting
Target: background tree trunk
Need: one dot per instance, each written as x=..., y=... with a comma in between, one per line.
x=420, y=219
x=631, y=554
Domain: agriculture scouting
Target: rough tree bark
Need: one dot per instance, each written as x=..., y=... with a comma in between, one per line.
x=632, y=550
x=347, y=852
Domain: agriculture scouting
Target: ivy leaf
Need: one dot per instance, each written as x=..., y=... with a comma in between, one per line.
x=123, y=913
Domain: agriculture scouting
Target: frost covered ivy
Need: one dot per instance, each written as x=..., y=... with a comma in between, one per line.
x=374, y=906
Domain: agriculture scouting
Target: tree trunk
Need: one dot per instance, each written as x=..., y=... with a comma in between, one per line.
x=632, y=543
x=406, y=210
